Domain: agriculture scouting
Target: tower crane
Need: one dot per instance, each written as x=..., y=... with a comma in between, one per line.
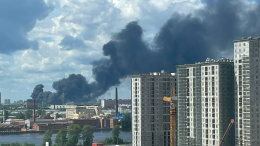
x=173, y=114
x=228, y=129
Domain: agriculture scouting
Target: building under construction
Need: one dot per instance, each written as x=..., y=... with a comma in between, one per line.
x=205, y=103
x=150, y=114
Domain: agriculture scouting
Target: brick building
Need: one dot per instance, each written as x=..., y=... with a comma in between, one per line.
x=8, y=127
x=113, y=122
x=48, y=126
x=82, y=122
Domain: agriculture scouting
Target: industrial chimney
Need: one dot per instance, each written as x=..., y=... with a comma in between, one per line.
x=34, y=111
x=116, y=103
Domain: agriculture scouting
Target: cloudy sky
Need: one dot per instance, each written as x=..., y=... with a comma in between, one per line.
x=42, y=41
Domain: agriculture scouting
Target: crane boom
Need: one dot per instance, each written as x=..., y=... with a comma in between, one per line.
x=225, y=134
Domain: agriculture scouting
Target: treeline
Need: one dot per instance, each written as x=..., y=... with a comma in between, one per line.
x=72, y=135
x=18, y=144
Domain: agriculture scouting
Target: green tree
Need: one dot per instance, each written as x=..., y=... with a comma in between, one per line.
x=74, y=131
x=87, y=135
x=20, y=116
x=40, y=112
x=57, y=115
x=126, y=122
x=28, y=114
x=47, y=138
x=115, y=131
x=61, y=138
x=15, y=144
x=5, y=144
x=29, y=144
x=7, y=114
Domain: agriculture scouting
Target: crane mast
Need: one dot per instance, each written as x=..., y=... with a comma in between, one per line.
x=173, y=116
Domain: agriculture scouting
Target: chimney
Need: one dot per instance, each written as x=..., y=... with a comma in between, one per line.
x=116, y=103
x=33, y=111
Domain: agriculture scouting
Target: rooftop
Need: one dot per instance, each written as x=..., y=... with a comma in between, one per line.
x=211, y=61
x=247, y=39
x=162, y=73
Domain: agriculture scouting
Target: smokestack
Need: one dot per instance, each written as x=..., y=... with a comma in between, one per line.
x=33, y=111
x=116, y=103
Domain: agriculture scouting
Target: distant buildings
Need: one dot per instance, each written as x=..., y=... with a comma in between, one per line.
x=150, y=114
x=247, y=74
x=57, y=106
x=0, y=98
x=108, y=123
x=7, y=101
x=205, y=102
x=110, y=103
x=82, y=112
x=18, y=102
x=29, y=104
x=48, y=126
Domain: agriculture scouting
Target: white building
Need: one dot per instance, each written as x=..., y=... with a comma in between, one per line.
x=205, y=102
x=247, y=74
x=54, y=106
x=150, y=114
x=71, y=110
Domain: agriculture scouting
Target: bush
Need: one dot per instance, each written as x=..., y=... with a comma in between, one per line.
x=29, y=144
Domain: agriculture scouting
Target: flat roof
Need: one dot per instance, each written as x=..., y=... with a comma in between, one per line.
x=247, y=39
x=210, y=62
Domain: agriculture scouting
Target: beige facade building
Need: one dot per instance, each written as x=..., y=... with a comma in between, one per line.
x=77, y=112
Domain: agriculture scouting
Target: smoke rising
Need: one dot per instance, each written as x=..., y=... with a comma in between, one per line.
x=182, y=39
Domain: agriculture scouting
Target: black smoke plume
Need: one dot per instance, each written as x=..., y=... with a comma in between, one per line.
x=208, y=32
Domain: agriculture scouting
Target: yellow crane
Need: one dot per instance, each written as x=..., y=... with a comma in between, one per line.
x=173, y=116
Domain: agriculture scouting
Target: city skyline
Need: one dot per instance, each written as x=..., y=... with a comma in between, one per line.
x=62, y=38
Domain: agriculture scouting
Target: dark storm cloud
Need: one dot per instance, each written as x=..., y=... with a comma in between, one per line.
x=70, y=43
x=17, y=18
x=183, y=39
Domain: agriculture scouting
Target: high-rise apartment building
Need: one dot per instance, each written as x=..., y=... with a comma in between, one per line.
x=150, y=114
x=247, y=91
x=7, y=101
x=205, y=92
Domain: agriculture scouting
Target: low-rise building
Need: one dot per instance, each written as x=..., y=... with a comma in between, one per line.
x=110, y=103
x=74, y=109
x=92, y=122
x=108, y=123
x=29, y=122
x=48, y=126
x=81, y=116
x=113, y=122
x=104, y=123
x=57, y=106
x=9, y=127
x=29, y=104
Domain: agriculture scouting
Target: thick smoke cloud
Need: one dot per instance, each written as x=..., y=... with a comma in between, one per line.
x=183, y=39
x=17, y=18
